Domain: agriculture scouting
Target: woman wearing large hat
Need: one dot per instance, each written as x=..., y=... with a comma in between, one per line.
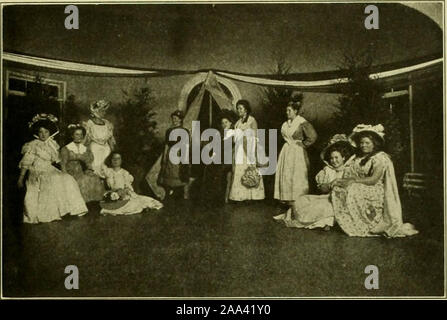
x=315, y=211
x=50, y=193
x=366, y=200
x=99, y=135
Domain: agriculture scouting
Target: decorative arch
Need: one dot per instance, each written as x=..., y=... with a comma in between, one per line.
x=199, y=78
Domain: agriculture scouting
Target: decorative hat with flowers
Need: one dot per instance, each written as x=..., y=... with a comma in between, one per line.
x=378, y=130
x=114, y=199
x=337, y=139
x=98, y=106
x=45, y=120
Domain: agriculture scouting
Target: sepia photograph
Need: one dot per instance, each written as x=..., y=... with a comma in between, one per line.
x=210, y=149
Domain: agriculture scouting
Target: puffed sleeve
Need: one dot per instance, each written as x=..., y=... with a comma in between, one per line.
x=310, y=135
x=321, y=177
x=378, y=164
x=88, y=133
x=29, y=155
x=325, y=176
x=253, y=124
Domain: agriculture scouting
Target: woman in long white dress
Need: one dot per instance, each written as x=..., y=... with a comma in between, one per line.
x=120, y=181
x=245, y=155
x=50, y=193
x=291, y=179
x=99, y=137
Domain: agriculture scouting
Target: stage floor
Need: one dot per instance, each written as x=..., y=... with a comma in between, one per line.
x=236, y=251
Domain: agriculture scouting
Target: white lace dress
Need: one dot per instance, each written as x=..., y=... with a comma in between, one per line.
x=99, y=139
x=314, y=211
x=238, y=191
x=122, y=179
x=50, y=193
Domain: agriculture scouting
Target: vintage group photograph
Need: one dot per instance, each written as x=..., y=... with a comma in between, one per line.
x=279, y=150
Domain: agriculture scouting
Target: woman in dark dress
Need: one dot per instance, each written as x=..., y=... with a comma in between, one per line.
x=173, y=176
x=217, y=176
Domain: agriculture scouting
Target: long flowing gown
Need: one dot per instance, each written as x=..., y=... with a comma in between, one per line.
x=98, y=139
x=214, y=187
x=50, y=193
x=291, y=180
x=369, y=210
x=75, y=159
x=314, y=211
x=122, y=179
x=172, y=175
x=238, y=191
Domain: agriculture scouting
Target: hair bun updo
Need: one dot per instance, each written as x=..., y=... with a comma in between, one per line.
x=296, y=101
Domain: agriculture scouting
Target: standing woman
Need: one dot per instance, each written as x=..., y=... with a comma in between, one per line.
x=291, y=179
x=366, y=200
x=173, y=176
x=99, y=136
x=217, y=176
x=50, y=194
x=77, y=160
x=244, y=157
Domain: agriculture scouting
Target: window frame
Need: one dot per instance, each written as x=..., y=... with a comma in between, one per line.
x=61, y=85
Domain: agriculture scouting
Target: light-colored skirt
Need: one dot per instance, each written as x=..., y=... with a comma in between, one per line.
x=313, y=211
x=135, y=205
x=50, y=195
x=100, y=154
x=291, y=179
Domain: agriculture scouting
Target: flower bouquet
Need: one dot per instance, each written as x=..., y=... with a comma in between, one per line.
x=251, y=177
x=115, y=199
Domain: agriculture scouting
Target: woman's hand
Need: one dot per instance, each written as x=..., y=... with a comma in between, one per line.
x=89, y=172
x=335, y=183
x=344, y=183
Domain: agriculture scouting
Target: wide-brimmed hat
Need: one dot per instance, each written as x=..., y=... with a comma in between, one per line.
x=178, y=113
x=112, y=205
x=100, y=105
x=47, y=121
x=338, y=141
x=378, y=131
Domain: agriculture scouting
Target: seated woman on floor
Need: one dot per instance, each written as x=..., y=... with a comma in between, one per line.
x=122, y=199
x=50, y=193
x=77, y=160
x=366, y=200
x=315, y=211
